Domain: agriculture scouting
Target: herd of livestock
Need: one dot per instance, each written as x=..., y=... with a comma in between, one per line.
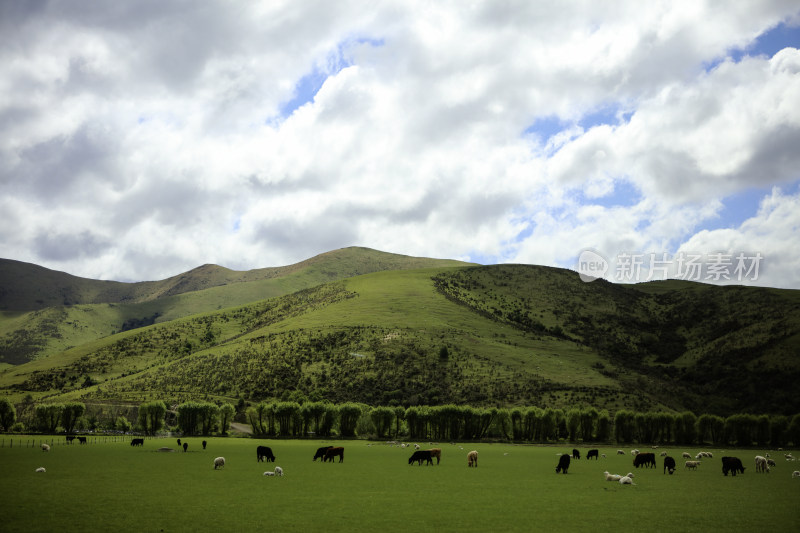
x=732, y=465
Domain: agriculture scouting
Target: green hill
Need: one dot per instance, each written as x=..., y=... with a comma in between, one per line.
x=43, y=312
x=494, y=335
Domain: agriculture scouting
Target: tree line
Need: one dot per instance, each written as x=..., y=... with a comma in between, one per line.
x=297, y=419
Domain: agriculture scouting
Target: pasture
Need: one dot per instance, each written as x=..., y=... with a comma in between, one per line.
x=113, y=486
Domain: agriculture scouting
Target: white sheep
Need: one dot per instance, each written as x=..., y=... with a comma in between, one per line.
x=687, y=455
x=278, y=471
x=612, y=477
x=620, y=452
x=219, y=462
x=603, y=455
x=789, y=457
x=761, y=464
x=691, y=464
x=663, y=454
x=45, y=447
x=634, y=452
x=796, y=473
x=627, y=480
x=41, y=470
x=268, y=473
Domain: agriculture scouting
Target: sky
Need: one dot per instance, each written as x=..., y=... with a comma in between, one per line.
x=139, y=140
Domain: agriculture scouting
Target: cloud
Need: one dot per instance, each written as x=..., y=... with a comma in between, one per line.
x=141, y=140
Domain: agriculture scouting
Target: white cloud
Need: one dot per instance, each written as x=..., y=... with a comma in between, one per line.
x=140, y=140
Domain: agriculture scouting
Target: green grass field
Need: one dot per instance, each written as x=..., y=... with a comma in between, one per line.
x=112, y=486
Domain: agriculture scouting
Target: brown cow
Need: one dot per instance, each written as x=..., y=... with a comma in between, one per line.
x=436, y=452
x=332, y=453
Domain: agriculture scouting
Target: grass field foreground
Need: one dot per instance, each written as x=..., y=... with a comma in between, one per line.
x=113, y=486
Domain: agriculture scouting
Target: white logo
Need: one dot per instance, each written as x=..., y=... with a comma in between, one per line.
x=591, y=265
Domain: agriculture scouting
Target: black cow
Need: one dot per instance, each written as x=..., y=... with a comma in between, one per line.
x=137, y=442
x=645, y=459
x=179, y=442
x=576, y=454
x=264, y=452
x=70, y=438
x=563, y=464
x=204, y=445
x=732, y=465
x=669, y=463
x=82, y=440
x=321, y=452
x=421, y=455
x=185, y=446
x=593, y=453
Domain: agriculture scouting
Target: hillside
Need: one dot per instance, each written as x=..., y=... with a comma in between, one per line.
x=495, y=335
x=44, y=312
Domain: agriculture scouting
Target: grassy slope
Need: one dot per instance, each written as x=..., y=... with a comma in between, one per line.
x=515, y=334
x=38, y=326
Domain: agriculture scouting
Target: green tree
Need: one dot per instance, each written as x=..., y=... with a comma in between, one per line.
x=624, y=426
x=8, y=414
x=151, y=416
x=47, y=416
x=226, y=413
x=574, y=424
x=588, y=418
x=793, y=432
x=189, y=417
x=70, y=414
x=778, y=428
x=349, y=414
x=382, y=418
x=399, y=416
x=122, y=424
x=603, y=432
x=209, y=413
x=284, y=414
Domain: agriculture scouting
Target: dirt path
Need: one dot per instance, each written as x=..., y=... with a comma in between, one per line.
x=241, y=428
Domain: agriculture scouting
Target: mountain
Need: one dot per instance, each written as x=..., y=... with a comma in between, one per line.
x=43, y=312
x=455, y=333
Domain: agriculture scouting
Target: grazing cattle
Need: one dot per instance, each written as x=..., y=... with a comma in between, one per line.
x=732, y=465
x=331, y=454
x=593, y=453
x=70, y=438
x=179, y=442
x=761, y=464
x=185, y=446
x=645, y=459
x=204, y=445
x=436, y=452
x=82, y=440
x=576, y=454
x=563, y=464
x=321, y=452
x=137, y=442
x=472, y=458
x=669, y=464
x=264, y=452
x=421, y=455
x=219, y=462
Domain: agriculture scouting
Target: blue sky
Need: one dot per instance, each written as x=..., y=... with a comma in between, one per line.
x=492, y=133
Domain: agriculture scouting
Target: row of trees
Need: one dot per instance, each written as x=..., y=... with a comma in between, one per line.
x=442, y=423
